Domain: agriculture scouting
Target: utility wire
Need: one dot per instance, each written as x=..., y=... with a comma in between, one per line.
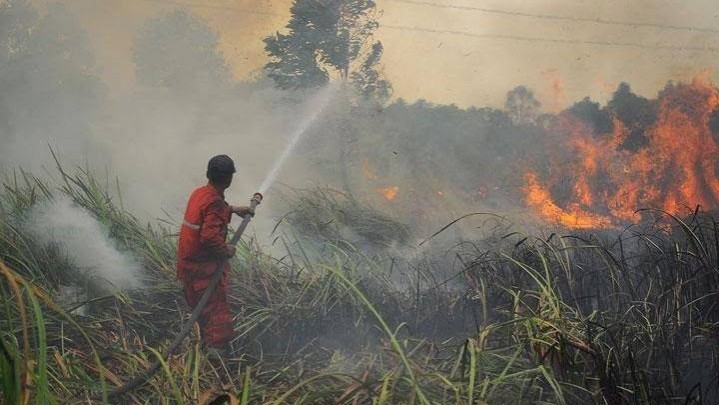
x=472, y=35
x=467, y=8
x=561, y=18
x=212, y=7
x=555, y=40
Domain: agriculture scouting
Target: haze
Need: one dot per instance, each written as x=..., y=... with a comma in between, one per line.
x=452, y=68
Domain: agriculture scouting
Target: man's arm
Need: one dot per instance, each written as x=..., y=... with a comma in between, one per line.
x=242, y=210
x=212, y=237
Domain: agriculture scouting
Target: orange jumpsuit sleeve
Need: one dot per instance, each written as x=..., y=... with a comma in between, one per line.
x=214, y=229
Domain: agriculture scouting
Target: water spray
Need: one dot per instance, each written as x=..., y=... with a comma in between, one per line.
x=316, y=106
x=187, y=327
x=318, y=103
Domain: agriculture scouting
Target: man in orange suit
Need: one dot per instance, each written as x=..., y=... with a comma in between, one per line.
x=202, y=248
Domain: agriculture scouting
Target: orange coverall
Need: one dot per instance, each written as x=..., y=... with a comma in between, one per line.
x=201, y=248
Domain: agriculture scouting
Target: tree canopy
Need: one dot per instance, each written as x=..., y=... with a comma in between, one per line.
x=179, y=51
x=325, y=39
x=521, y=105
x=593, y=114
x=51, y=91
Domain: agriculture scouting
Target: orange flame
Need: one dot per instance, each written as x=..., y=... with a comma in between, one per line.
x=541, y=200
x=389, y=192
x=677, y=168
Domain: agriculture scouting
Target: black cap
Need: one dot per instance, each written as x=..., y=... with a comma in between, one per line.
x=220, y=166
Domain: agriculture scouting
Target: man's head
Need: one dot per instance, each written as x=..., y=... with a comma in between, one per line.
x=220, y=170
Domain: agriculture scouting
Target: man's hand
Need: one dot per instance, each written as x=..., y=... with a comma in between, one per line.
x=243, y=210
x=230, y=250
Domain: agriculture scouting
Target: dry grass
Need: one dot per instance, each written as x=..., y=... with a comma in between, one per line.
x=628, y=318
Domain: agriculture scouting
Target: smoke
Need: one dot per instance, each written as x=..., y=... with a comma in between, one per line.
x=85, y=241
x=181, y=107
x=478, y=71
x=49, y=90
x=156, y=136
x=159, y=144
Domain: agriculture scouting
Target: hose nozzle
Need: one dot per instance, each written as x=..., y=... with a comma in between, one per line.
x=254, y=202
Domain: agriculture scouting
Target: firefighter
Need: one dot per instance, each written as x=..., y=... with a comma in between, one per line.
x=202, y=247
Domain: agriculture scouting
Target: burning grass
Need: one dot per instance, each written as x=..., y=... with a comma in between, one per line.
x=584, y=318
x=606, y=179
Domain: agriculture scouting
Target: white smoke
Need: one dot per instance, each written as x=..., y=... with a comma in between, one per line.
x=84, y=240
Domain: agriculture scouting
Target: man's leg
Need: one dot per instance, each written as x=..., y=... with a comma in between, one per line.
x=215, y=319
x=217, y=330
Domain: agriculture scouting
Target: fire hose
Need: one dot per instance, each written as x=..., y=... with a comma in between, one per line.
x=187, y=327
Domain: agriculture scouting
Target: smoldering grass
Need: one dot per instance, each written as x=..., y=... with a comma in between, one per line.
x=579, y=319
x=393, y=338
x=333, y=216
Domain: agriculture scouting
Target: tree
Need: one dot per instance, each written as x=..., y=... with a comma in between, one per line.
x=51, y=90
x=368, y=80
x=332, y=40
x=631, y=108
x=590, y=112
x=179, y=51
x=521, y=106
x=17, y=20
x=636, y=112
x=328, y=38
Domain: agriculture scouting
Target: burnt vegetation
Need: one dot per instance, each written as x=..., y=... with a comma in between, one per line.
x=565, y=318
x=364, y=298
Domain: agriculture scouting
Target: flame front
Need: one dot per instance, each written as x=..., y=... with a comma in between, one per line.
x=607, y=183
x=541, y=200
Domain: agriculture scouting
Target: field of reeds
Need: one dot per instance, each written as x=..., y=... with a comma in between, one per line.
x=347, y=316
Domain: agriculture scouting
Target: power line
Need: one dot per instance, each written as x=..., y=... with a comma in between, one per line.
x=469, y=34
x=561, y=18
x=555, y=40
x=212, y=7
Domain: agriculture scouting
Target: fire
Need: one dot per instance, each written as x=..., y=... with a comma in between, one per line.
x=539, y=198
x=676, y=169
x=389, y=192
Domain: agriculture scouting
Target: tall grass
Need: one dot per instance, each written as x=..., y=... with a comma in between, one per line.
x=587, y=318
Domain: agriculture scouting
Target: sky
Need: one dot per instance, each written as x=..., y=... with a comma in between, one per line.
x=423, y=63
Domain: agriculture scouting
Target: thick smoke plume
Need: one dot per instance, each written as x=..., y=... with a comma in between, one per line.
x=427, y=163
x=85, y=241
